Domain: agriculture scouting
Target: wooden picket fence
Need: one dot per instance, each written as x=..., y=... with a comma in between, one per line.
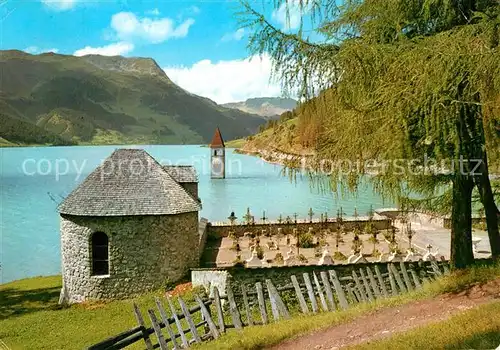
x=324, y=292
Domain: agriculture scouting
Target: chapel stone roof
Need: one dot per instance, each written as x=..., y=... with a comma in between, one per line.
x=129, y=182
x=217, y=141
x=182, y=173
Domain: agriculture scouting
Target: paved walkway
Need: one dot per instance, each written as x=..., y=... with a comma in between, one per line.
x=439, y=238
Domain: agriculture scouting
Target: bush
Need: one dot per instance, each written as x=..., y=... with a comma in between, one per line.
x=260, y=252
x=302, y=258
x=278, y=259
x=169, y=285
x=235, y=246
x=306, y=240
x=339, y=256
x=238, y=262
x=201, y=292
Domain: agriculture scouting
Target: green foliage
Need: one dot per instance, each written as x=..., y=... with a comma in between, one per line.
x=235, y=246
x=22, y=132
x=260, y=252
x=302, y=258
x=306, y=240
x=419, y=80
x=339, y=256
x=238, y=262
x=169, y=285
x=278, y=259
x=200, y=291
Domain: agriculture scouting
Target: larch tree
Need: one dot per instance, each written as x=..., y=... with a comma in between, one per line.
x=410, y=92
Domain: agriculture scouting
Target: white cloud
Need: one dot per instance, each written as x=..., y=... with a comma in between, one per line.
x=227, y=81
x=115, y=49
x=194, y=9
x=292, y=21
x=237, y=35
x=59, y=5
x=153, y=12
x=35, y=50
x=128, y=27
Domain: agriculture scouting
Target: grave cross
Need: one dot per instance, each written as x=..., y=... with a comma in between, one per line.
x=248, y=217
x=280, y=219
x=310, y=213
x=340, y=213
x=232, y=218
x=263, y=218
x=409, y=234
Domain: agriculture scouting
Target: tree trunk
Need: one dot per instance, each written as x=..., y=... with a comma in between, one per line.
x=461, y=222
x=483, y=184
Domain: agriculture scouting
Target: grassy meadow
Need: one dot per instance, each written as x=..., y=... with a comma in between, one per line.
x=31, y=319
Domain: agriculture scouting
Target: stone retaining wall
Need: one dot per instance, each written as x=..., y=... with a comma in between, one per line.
x=202, y=236
x=209, y=279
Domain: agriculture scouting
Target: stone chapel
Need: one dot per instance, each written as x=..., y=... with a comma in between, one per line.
x=128, y=228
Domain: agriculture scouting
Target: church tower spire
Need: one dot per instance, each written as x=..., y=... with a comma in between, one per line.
x=218, y=156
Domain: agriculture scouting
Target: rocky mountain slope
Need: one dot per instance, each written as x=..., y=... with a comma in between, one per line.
x=59, y=99
x=270, y=107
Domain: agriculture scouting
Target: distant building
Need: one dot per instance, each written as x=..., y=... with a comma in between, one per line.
x=129, y=227
x=218, y=156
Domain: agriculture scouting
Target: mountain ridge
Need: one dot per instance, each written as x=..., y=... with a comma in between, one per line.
x=269, y=107
x=96, y=99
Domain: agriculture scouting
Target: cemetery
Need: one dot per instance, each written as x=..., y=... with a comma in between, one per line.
x=311, y=241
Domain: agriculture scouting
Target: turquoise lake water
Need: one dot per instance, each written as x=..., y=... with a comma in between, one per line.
x=33, y=180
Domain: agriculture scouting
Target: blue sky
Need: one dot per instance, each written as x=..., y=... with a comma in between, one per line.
x=198, y=43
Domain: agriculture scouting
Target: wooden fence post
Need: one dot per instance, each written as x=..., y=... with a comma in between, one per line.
x=436, y=269
x=247, y=307
x=415, y=279
x=156, y=327
x=373, y=283
x=338, y=290
x=300, y=296
x=324, y=305
x=189, y=320
x=366, y=285
x=233, y=308
x=445, y=265
x=206, y=314
x=177, y=323
x=354, y=297
x=328, y=289
x=409, y=286
x=310, y=292
x=359, y=287
x=397, y=276
x=220, y=313
x=262, y=302
x=277, y=305
x=140, y=321
x=164, y=318
x=381, y=281
x=392, y=281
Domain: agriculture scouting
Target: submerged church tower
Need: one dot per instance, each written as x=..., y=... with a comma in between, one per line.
x=217, y=156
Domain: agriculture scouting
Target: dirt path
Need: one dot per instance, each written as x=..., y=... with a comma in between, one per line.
x=380, y=324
